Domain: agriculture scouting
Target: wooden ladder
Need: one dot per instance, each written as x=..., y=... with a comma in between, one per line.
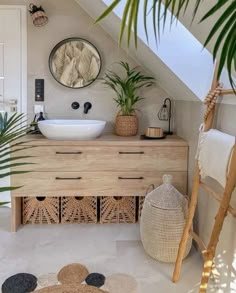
x=208, y=251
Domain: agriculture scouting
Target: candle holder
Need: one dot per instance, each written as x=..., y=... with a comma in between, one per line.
x=165, y=114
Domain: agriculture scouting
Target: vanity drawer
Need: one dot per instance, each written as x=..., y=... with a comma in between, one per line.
x=77, y=158
x=92, y=183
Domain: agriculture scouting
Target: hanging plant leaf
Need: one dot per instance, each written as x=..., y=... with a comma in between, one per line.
x=226, y=37
x=160, y=10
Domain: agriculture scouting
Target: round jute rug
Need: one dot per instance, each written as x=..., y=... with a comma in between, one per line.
x=120, y=283
x=73, y=274
x=71, y=289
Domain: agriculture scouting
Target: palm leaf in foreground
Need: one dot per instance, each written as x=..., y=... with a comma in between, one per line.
x=225, y=44
x=11, y=130
x=225, y=25
x=3, y=203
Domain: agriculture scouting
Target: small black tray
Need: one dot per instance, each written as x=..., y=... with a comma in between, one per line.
x=143, y=136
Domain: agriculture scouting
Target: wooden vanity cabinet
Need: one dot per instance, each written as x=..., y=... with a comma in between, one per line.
x=108, y=166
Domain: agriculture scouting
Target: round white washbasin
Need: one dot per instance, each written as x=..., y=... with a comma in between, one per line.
x=71, y=129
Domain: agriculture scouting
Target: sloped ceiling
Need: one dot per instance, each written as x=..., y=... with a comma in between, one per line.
x=143, y=55
x=182, y=77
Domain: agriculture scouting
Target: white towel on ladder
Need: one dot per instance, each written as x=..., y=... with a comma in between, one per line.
x=214, y=154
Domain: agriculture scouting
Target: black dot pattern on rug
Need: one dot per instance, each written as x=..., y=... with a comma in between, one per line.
x=20, y=283
x=95, y=279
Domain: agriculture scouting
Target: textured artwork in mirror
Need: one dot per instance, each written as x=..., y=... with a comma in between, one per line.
x=75, y=63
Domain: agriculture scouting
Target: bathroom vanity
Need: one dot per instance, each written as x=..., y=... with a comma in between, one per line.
x=109, y=166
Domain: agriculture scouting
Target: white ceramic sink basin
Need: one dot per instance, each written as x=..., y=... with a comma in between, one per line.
x=71, y=129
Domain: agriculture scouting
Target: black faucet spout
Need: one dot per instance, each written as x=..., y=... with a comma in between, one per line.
x=87, y=107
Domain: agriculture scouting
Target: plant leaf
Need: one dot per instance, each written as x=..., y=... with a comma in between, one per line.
x=3, y=189
x=222, y=34
x=230, y=37
x=108, y=10
x=13, y=173
x=3, y=203
x=135, y=22
x=145, y=6
x=214, y=9
x=130, y=21
x=124, y=20
x=219, y=23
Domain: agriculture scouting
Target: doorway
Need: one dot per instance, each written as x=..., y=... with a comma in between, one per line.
x=13, y=65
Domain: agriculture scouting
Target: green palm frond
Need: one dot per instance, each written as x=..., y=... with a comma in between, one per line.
x=224, y=29
x=3, y=203
x=225, y=44
x=126, y=87
x=11, y=130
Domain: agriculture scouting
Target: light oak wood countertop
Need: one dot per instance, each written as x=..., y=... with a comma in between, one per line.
x=108, y=140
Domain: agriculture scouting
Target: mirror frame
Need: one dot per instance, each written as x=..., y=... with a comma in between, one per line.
x=63, y=42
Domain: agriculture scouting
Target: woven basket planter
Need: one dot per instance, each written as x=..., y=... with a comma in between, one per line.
x=41, y=210
x=117, y=209
x=126, y=125
x=79, y=209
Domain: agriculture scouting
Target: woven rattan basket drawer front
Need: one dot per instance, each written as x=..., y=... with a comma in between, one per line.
x=79, y=209
x=117, y=209
x=41, y=210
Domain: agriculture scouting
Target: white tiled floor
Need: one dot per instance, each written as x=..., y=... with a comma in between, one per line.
x=102, y=248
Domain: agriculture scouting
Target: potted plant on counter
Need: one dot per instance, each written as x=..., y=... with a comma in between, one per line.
x=126, y=88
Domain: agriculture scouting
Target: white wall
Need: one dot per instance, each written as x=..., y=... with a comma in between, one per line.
x=188, y=118
x=68, y=19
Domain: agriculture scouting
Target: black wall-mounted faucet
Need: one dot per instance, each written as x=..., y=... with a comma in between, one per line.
x=75, y=105
x=87, y=107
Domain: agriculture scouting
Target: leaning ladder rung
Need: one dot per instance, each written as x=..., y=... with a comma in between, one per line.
x=199, y=241
x=216, y=196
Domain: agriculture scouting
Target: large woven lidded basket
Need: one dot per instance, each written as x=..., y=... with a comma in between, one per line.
x=162, y=222
x=126, y=125
x=41, y=210
x=79, y=209
x=117, y=209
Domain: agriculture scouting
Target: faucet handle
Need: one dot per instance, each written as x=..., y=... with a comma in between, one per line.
x=87, y=107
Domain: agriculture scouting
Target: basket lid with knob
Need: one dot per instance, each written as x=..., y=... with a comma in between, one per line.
x=166, y=196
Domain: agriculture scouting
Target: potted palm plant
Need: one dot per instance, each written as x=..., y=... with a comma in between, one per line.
x=126, y=88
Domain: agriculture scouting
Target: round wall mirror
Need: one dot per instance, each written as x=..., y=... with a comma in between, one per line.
x=75, y=63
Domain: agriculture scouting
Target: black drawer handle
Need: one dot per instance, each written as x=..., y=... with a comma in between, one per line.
x=131, y=153
x=68, y=178
x=130, y=178
x=68, y=153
